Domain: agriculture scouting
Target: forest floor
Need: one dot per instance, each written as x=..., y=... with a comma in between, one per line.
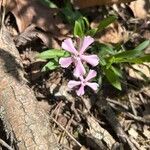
x=108, y=119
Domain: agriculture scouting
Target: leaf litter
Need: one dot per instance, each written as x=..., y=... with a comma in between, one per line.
x=76, y=121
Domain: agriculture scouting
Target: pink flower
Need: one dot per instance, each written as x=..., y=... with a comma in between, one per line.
x=78, y=56
x=84, y=82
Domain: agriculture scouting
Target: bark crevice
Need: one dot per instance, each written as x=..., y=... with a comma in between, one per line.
x=20, y=112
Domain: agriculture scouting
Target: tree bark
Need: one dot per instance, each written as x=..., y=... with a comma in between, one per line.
x=19, y=109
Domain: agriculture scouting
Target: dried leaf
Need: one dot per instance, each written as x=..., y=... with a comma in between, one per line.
x=140, y=72
x=115, y=33
x=31, y=12
x=140, y=8
x=99, y=133
x=147, y=132
x=133, y=133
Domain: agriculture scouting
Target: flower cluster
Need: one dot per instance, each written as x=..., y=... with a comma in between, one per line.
x=78, y=58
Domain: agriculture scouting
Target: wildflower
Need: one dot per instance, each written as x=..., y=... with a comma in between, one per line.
x=84, y=82
x=78, y=56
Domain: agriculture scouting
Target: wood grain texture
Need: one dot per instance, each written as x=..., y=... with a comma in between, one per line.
x=19, y=109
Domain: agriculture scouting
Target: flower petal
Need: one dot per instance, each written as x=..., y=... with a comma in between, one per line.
x=73, y=83
x=92, y=85
x=86, y=42
x=80, y=91
x=91, y=59
x=68, y=46
x=65, y=62
x=79, y=69
x=91, y=74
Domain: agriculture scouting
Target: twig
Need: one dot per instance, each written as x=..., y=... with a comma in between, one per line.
x=75, y=111
x=118, y=103
x=135, y=143
x=67, y=126
x=131, y=116
x=141, y=98
x=56, y=110
x=138, y=118
x=3, y=143
x=109, y=114
x=134, y=111
x=57, y=106
x=66, y=132
x=64, y=92
x=132, y=105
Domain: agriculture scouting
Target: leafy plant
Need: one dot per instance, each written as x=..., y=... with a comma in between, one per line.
x=69, y=14
x=81, y=26
x=53, y=56
x=111, y=59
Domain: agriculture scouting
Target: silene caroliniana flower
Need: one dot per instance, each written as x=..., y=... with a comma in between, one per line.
x=84, y=82
x=78, y=55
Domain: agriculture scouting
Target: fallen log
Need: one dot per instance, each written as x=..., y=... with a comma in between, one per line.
x=20, y=112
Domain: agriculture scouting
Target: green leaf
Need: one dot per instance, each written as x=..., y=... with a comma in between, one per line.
x=92, y=32
x=140, y=60
x=133, y=56
x=80, y=27
x=129, y=54
x=78, y=30
x=117, y=71
x=105, y=49
x=135, y=60
x=143, y=45
x=50, y=66
x=52, y=53
x=113, y=78
x=110, y=61
x=138, y=51
x=69, y=14
x=106, y=22
x=102, y=61
x=102, y=25
x=145, y=58
x=86, y=22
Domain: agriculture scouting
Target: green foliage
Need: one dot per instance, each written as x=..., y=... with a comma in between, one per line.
x=69, y=14
x=131, y=56
x=143, y=45
x=102, y=25
x=113, y=77
x=105, y=50
x=53, y=55
x=111, y=60
x=106, y=22
x=92, y=32
x=51, y=65
x=81, y=27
